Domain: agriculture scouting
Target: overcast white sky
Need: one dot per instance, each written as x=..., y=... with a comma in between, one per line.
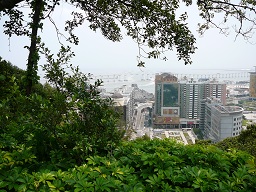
x=97, y=55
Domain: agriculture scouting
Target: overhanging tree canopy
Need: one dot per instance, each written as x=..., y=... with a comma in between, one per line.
x=151, y=23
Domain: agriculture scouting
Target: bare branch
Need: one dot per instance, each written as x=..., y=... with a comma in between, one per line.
x=240, y=11
x=57, y=30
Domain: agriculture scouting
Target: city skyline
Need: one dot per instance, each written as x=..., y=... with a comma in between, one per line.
x=146, y=80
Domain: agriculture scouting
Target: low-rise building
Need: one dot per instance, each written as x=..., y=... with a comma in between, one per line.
x=221, y=121
x=125, y=99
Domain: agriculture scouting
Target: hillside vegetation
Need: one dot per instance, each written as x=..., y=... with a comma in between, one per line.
x=65, y=137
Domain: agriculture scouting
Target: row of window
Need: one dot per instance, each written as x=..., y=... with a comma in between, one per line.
x=237, y=119
x=237, y=133
x=238, y=128
x=238, y=123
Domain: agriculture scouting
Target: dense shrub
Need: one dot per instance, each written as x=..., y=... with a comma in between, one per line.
x=156, y=165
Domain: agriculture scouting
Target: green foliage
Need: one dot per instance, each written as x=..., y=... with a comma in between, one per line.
x=244, y=142
x=58, y=126
x=203, y=142
x=143, y=138
x=156, y=165
x=166, y=165
x=244, y=122
x=10, y=76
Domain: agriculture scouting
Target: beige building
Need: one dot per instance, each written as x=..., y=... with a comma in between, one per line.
x=252, y=88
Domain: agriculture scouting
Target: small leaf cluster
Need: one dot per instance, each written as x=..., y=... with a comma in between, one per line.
x=9, y=76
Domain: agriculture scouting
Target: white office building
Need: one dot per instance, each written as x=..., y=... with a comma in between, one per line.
x=221, y=121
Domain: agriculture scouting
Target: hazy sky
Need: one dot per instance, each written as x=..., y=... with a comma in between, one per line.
x=97, y=55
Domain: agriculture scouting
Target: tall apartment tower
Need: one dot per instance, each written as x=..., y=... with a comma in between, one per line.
x=192, y=93
x=166, y=101
x=252, y=88
x=216, y=90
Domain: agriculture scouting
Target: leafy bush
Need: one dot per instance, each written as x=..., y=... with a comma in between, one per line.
x=156, y=165
x=9, y=75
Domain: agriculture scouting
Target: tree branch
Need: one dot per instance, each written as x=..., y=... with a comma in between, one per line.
x=8, y=4
x=240, y=11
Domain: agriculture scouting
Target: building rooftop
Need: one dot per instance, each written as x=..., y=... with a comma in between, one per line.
x=228, y=109
x=166, y=77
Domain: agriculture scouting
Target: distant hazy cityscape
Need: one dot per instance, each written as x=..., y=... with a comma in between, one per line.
x=145, y=80
x=183, y=104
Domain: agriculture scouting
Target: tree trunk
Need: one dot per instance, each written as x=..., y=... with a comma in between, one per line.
x=33, y=50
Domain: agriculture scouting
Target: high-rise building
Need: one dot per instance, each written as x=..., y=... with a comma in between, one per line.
x=216, y=90
x=190, y=93
x=166, y=101
x=193, y=92
x=123, y=100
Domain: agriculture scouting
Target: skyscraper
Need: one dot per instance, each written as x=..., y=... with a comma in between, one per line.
x=166, y=101
x=190, y=93
x=193, y=92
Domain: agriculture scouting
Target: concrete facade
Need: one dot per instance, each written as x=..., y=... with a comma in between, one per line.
x=123, y=98
x=221, y=121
